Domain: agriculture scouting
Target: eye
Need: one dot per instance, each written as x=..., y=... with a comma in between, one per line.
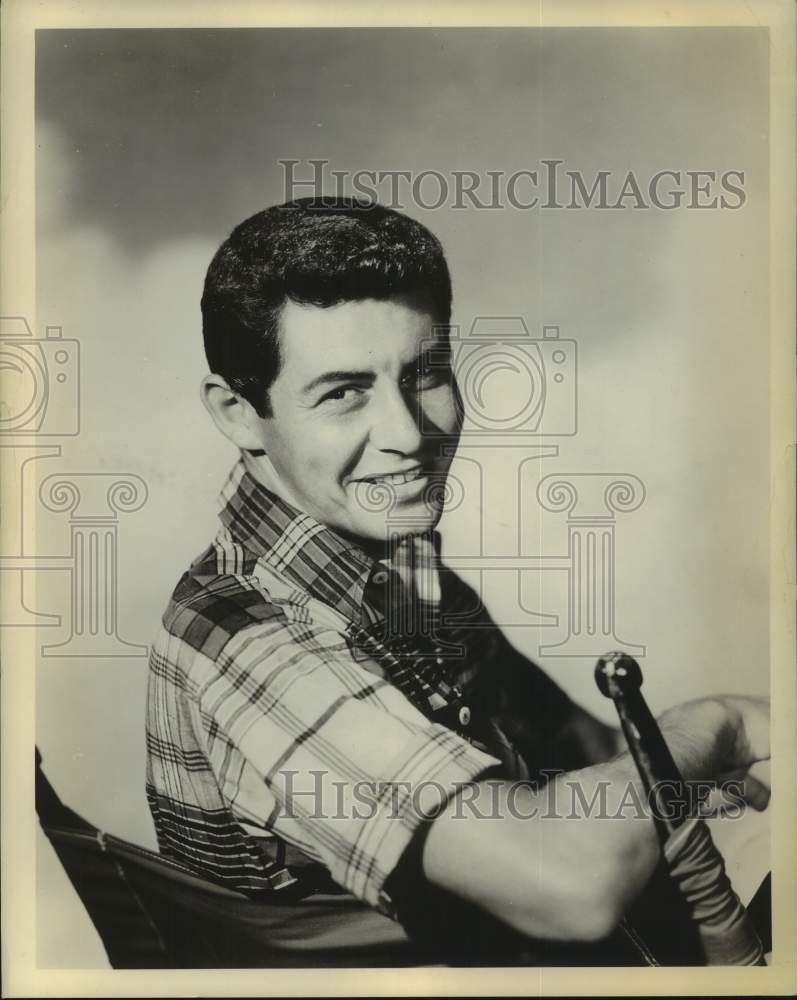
x=343, y=394
x=431, y=371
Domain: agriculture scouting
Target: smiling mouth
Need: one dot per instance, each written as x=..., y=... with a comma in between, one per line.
x=396, y=478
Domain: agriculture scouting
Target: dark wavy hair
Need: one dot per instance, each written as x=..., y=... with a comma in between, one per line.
x=314, y=251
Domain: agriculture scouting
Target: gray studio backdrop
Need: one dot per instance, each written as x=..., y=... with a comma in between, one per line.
x=151, y=145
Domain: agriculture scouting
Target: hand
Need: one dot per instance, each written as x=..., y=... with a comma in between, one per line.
x=749, y=738
x=748, y=729
x=720, y=738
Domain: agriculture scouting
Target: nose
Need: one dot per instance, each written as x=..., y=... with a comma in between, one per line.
x=396, y=423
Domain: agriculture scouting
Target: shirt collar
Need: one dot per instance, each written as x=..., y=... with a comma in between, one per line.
x=316, y=558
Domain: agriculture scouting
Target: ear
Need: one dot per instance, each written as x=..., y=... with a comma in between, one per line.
x=234, y=416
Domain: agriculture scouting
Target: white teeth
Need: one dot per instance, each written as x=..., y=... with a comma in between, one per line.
x=398, y=479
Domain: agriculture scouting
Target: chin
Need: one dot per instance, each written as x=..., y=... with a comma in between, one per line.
x=410, y=521
x=413, y=521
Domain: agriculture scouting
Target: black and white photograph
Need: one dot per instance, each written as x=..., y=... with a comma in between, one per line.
x=397, y=550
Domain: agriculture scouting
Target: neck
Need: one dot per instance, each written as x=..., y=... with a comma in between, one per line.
x=261, y=469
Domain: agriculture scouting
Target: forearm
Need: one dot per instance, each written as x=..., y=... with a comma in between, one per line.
x=565, y=862
x=559, y=863
x=685, y=727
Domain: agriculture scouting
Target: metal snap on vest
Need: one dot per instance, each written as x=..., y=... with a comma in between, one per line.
x=380, y=576
x=464, y=715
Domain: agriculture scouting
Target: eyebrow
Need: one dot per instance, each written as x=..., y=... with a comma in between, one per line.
x=362, y=376
x=338, y=376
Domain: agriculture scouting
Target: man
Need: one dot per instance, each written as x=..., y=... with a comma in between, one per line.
x=293, y=712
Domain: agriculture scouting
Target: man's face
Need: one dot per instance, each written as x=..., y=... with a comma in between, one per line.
x=361, y=416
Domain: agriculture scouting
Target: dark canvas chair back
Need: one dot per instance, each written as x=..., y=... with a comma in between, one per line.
x=152, y=913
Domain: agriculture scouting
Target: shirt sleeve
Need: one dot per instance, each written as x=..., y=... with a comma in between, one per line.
x=310, y=744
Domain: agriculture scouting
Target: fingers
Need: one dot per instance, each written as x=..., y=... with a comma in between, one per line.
x=748, y=786
x=750, y=719
x=755, y=793
x=756, y=723
x=761, y=773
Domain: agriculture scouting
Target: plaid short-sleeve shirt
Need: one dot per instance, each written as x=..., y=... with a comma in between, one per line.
x=293, y=729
